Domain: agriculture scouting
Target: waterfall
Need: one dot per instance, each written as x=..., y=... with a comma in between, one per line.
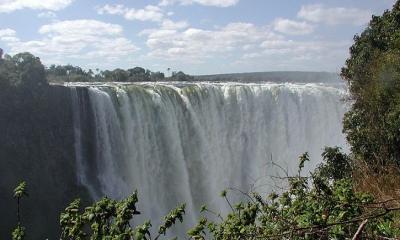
x=186, y=142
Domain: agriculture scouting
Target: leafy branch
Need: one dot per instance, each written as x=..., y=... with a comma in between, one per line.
x=321, y=205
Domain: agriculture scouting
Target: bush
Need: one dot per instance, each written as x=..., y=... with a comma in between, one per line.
x=105, y=219
x=321, y=206
x=110, y=219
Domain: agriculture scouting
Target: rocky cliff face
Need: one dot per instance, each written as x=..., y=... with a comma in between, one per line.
x=37, y=145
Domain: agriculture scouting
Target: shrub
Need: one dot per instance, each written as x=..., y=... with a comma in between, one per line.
x=323, y=205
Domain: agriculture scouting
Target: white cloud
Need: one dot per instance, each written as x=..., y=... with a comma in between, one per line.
x=333, y=16
x=169, y=24
x=81, y=28
x=312, y=51
x=117, y=9
x=76, y=39
x=198, y=44
x=243, y=46
x=215, y=3
x=48, y=14
x=7, y=32
x=149, y=13
x=301, y=48
x=287, y=54
x=291, y=27
x=13, y=5
x=8, y=35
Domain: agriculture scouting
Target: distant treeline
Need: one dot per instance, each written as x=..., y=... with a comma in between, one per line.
x=69, y=73
x=25, y=69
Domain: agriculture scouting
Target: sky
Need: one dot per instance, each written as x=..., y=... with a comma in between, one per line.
x=194, y=36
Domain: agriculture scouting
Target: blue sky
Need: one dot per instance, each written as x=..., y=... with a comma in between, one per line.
x=196, y=36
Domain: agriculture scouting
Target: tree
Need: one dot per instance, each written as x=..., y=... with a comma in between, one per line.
x=181, y=77
x=372, y=72
x=119, y=75
x=139, y=74
x=136, y=71
x=157, y=76
x=22, y=70
x=68, y=73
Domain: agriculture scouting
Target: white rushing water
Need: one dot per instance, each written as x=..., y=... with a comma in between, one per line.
x=187, y=142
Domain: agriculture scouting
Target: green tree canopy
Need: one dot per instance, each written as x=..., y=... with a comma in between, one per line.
x=373, y=75
x=68, y=73
x=181, y=76
x=139, y=74
x=22, y=70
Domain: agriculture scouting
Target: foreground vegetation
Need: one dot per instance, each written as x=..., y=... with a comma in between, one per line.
x=322, y=205
x=332, y=202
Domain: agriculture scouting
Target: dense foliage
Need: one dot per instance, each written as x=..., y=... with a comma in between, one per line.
x=110, y=219
x=372, y=71
x=322, y=206
x=105, y=219
x=22, y=70
x=69, y=73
